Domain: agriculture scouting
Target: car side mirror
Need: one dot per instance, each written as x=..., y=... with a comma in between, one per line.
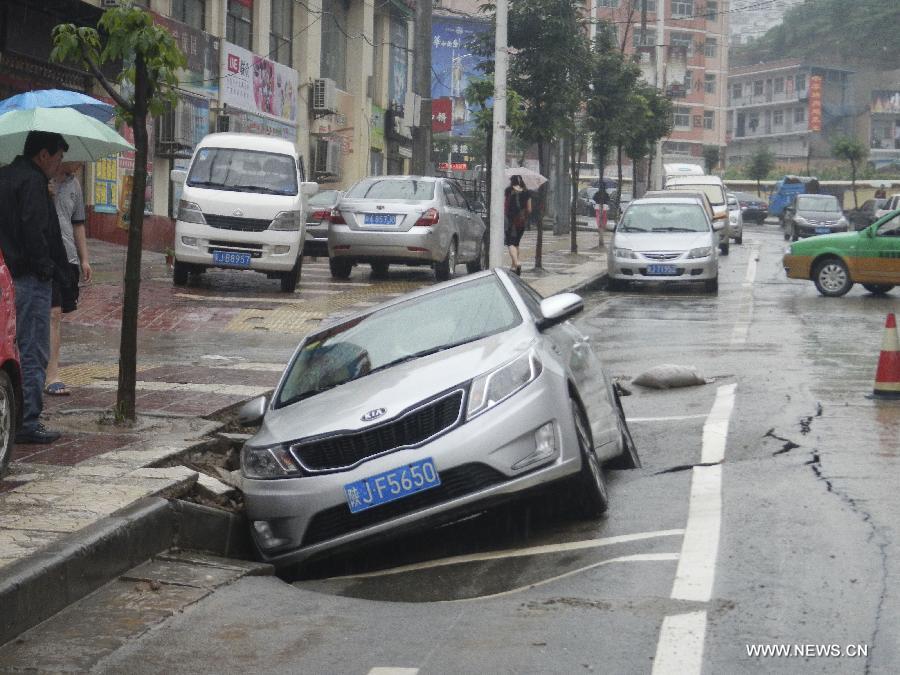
x=252, y=412
x=309, y=189
x=558, y=308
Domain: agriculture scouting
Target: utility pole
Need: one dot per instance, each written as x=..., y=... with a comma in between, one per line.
x=498, y=137
x=421, y=151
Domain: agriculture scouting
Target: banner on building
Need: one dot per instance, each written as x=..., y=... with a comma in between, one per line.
x=815, y=103
x=257, y=85
x=399, y=63
x=376, y=128
x=441, y=113
x=201, y=76
x=453, y=64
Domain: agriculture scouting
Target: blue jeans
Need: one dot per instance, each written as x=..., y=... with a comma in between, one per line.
x=33, y=337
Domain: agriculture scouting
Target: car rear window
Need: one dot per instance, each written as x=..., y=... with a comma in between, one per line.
x=374, y=188
x=817, y=203
x=715, y=192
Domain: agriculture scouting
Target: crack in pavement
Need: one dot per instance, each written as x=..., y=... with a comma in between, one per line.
x=875, y=535
x=686, y=467
x=788, y=444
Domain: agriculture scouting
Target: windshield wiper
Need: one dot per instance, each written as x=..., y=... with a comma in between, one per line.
x=633, y=229
x=258, y=188
x=673, y=229
x=205, y=183
x=309, y=393
x=426, y=352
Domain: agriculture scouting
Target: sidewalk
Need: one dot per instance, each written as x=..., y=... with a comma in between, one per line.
x=78, y=512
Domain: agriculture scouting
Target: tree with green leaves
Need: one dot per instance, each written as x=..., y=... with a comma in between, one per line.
x=761, y=163
x=711, y=157
x=144, y=87
x=851, y=150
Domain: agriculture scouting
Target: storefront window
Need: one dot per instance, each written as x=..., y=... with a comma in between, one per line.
x=190, y=12
x=239, y=23
x=282, y=33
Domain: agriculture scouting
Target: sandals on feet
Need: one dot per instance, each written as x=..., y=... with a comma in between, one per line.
x=56, y=389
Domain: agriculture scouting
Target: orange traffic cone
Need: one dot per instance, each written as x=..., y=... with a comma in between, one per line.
x=887, y=377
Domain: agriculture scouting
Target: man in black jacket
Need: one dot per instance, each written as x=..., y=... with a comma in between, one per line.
x=34, y=252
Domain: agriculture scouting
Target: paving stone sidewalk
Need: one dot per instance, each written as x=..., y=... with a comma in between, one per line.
x=99, y=468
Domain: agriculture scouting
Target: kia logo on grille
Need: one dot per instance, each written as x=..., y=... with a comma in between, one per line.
x=238, y=213
x=373, y=414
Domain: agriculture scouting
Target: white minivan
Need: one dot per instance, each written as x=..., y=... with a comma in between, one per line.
x=242, y=207
x=715, y=190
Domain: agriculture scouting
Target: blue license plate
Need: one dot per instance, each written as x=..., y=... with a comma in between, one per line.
x=662, y=270
x=380, y=219
x=231, y=258
x=823, y=230
x=391, y=485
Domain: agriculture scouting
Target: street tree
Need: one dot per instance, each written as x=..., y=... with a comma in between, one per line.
x=650, y=122
x=761, y=163
x=150, y=60
x=711, y=157
x=851, y=150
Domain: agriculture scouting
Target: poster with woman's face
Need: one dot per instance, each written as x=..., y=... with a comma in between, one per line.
x=264, y=85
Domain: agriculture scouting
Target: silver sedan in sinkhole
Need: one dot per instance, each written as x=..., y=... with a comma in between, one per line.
x=426, y=408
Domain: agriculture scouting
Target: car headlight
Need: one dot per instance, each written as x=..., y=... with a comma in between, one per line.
x=842, y=222
x=287, y=220
x=800, y=220
x=491, y=388
x=189, y=212
x=623, y=253
x=273, y=461
x=702, y=252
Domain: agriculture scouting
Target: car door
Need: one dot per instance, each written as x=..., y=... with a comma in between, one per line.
x=877, y=257
x=474, y=224
x=456, y=216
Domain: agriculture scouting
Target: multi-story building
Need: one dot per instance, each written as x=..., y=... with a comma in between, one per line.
x=793, y=108
x=332, y=75
x=750, y=19
x=682, y=48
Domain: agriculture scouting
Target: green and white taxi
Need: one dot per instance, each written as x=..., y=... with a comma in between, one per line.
x=834, y=262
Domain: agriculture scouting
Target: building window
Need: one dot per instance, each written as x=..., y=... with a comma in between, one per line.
x=649, y=38
x=709, y=83
x=736, y=91
x=800, y=83
x=608, y=3
x=709, y=119
x=682, y=9
x=239, y=23
x=779, y=85
x=190, y=12
x=676, y=148
x=799, y=115
x=682, y=40
x=334, y=41
x=710, y=48
x=778, y=118
x=712, y=10
x=281, y=36
x=688, y=80
x=682, y=117
x=758, y=88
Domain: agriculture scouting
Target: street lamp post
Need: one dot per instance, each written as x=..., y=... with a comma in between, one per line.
x=498, y=145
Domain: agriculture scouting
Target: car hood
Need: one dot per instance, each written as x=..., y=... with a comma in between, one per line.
x=819, y=215
x=662, y=241
x=838, y=240
x=395, y=389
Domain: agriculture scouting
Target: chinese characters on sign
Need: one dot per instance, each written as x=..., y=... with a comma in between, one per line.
x=257, y=85
x=453, y=65
x=105, y=178
x=440, y=115
x=815, y=103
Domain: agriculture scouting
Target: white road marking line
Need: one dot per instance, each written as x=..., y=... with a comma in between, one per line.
x=240, y=365
x=519, y=553
x=230, y=389
x=742, y=326
x=384, y=670
x=639, y=557
x=672, y=418
x=680, y=646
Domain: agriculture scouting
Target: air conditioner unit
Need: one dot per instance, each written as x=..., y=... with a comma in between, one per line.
x=109, y=3
x=324, y=95
x=175, y=128
x=328, y=158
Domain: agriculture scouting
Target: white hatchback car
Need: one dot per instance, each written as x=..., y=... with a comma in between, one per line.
x=735, y=219
x=664, y=239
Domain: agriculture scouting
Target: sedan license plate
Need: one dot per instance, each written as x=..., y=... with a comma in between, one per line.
x=661, y=270
x=380, y=219
x=231, y=258
x=823, y=230
x=391, y=485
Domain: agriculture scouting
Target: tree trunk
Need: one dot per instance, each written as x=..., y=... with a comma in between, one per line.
x=125, y=398
x=487, y=195
x=853, y=183
x=539, y=245
x=574, y=154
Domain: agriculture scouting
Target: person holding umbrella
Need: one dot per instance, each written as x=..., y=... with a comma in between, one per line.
x=516, y=209
x=33, y=249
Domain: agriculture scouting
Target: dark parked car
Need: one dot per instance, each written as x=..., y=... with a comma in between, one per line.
x=865, y=215
x=617, y=204
x=809, y=215
x=317, y=219
x=586, y=201
x=753, y=208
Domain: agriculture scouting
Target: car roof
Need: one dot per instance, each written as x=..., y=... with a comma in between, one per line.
x=667, y=199
x=249, y=142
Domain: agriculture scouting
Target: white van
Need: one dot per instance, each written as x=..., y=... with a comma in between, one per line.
x=714, y=188
x=680, y=169
x=242, y=207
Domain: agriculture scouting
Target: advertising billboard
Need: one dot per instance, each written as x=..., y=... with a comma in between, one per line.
x=257, y=85
x=453, y=66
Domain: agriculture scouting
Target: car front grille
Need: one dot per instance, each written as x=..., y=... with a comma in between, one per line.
x=255, y=250
x=235, y=223
x=412, y=428
x=456, y=482
x=667, y=255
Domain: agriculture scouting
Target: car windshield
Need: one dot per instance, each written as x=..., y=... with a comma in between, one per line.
x=714, y=192
x=817, y=203
x=392, y=188
x=412, y=329
x=244, y=171
x=664, y=218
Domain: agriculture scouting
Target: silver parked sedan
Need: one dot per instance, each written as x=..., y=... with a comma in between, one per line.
x=424, y=409
x=409, y=220
x=318, y=216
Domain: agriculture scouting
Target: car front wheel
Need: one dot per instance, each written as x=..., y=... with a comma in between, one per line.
x=289, y=280
x=481, y=261
x=878, y=289
x=590, y=491
x=832, y=278
x=340, y=269
x=447, y=267
x=180, y=273
x=7, y=420
x=629, y=458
